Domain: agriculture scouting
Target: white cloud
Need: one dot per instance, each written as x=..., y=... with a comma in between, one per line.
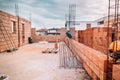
x=52, y=13
x=42, y=22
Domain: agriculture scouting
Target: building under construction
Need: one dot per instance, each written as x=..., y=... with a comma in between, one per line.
x=60, y=53
x=14, y=32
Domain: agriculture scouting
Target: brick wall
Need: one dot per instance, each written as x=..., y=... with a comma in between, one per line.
x=72, y=30
x=12, y=37
x=33, y=34
x=49, y=38
x=88, y=38
x=100, y=39
x=27, y=31
x=52, y=38
x=93, y=61
x=62, y=34
x=76, y=38
x=81, y=36
x=116, y=72
x=95, y=38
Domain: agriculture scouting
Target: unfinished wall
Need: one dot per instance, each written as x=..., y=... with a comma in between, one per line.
x=11, y=35
x=116, y=72
x=100, y=39
x=93, y=61
x=72, y=30
x=62, y=34
x=25, y=31
x=88, y=37
x=95, y=38
x=76, y=38
x=34, y=35
x=49, y=38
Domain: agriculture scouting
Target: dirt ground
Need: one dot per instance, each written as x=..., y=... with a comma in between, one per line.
x=29, y=63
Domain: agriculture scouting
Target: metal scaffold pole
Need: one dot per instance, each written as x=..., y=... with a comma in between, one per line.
x=115, y=28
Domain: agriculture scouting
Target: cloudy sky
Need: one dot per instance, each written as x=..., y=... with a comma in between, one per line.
x=51, y=13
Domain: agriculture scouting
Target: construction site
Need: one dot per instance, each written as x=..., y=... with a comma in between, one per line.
x=64, y=53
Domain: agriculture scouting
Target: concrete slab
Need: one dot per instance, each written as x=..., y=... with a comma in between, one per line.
x=28, y=63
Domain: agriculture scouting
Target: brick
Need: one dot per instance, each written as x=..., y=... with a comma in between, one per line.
x=50, y=38
x=95, y=38
x=95, y=60
x=116, y=72
x=6, y=18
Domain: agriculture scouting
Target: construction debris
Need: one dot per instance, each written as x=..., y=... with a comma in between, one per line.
x=50, y=50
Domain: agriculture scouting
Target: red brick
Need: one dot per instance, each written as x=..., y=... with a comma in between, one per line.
x=116, y=72
x=6, y=19
x=95, y=60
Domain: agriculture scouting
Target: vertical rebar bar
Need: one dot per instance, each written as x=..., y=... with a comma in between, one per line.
x=107, y=75
x=18, y=21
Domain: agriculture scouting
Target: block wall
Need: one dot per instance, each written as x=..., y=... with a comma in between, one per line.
x=95, y=38
x=93, y=61
x=33, y=35
x=80, y=36
x=62, y=34
x=10, y=39
x=88, y=38
x=72, y=30
x=76, y=38
x=49, y=38
x=116, y=72
x=100, y=39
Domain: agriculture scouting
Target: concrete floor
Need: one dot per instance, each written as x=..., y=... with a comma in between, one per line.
x=28, y=63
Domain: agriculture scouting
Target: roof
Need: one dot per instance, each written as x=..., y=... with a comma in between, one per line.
x=54, y=29
x=105, y=17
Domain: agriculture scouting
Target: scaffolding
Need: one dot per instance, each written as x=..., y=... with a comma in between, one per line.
x=113, y=9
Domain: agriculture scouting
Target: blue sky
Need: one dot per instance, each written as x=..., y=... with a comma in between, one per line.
x=51, y=13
